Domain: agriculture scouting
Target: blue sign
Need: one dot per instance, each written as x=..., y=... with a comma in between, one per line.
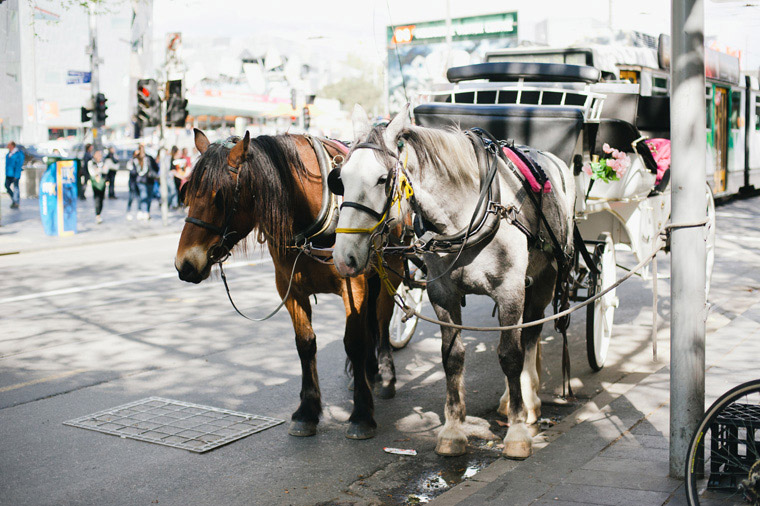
x=58, y=198
x=78, y=77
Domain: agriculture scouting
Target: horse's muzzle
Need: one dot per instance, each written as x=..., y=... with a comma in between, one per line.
x=188, y=272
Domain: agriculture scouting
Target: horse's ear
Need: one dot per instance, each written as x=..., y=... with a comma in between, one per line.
x=361, y=123
x=201, y=141
x=238, y=151
x=398, y=123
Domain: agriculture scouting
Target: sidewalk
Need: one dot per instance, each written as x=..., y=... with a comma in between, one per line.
x=618, y=453
x=21, y=230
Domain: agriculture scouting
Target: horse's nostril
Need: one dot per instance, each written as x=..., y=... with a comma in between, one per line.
x=186, y=271
x=351, y=261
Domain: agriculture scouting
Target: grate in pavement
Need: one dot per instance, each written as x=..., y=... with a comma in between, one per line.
x=175, y=423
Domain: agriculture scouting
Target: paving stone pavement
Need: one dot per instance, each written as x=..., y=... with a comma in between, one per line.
x=618, y=453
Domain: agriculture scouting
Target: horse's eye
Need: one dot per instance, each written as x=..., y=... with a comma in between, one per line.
x=382, y=179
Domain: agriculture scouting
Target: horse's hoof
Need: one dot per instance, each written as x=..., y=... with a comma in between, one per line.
x=302, y=429
x=386, y=392
x=517, y=450
x=360, y=431
x=451, y=447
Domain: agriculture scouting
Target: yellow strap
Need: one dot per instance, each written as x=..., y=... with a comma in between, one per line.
x=361, y=230
x=383, y=274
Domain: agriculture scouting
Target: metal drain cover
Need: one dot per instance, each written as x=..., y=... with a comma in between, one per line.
x=175, y=423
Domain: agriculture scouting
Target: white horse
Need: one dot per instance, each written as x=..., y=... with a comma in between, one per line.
x=442, y=169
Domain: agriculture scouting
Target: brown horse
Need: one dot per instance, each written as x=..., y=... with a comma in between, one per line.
x=273, y=185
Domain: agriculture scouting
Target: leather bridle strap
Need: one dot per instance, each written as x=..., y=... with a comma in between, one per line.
x=206, y=225
x=361, y=207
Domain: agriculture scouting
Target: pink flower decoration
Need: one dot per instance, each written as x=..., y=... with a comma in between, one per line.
x=587, y=168
x=606, y=148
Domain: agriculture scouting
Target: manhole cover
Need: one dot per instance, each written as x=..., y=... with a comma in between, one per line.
x=175, y=423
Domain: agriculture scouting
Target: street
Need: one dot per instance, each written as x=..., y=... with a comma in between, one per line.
x=91, y=327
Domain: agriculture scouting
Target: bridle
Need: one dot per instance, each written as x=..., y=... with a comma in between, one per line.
x=221, y=250
x=397, y=187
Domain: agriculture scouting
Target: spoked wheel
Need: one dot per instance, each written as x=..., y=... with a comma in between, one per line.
x=709, y=239
x=600, y=313
x=723, y=463
x=401, y=332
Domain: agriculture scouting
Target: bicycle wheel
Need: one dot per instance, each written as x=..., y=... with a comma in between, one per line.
x=401, y=332
x=723, y=463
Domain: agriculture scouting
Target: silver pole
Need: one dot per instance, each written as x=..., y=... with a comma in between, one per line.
x=94, y=76
x=163, y=162
x=688, y=148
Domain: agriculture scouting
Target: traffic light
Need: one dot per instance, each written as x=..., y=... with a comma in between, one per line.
x=176, y=104
x=86, y=114
x=100, y=108
x=148, y=103
x=306, y=118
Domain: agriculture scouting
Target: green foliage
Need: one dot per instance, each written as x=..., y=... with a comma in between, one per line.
x=365, y=88
x=352, y=90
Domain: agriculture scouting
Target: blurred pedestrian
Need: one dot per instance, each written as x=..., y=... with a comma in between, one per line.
x=112, y=167
x=98, y=168
x=176, y=172
x=134, y=194
x=84, y=176
x=146, y=172
x=14, y=164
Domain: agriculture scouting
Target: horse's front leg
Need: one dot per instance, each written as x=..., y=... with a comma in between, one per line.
x=452, y=440
x=305, y=419
x=386, y=368
x=358, y=343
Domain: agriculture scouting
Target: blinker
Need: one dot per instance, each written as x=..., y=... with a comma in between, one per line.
x=334, y=183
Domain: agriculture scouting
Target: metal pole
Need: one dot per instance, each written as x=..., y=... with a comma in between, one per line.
x=95, y=76
x=448, y=34
x=688, y=148
x=163, y=161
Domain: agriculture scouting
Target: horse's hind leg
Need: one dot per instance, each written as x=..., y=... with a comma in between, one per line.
x=512, y=358
x=358, y=343
x=305, y=419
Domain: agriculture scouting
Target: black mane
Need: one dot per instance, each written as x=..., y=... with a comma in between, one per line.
x=267, y=186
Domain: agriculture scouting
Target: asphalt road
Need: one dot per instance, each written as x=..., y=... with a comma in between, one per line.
x=92, y=327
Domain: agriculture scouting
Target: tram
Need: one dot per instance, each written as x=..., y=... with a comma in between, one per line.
x=635, y=87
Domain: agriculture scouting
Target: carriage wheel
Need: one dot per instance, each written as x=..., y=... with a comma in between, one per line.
x=723, y=463
x=709, y=239
x=401, y=332
x=600, y=314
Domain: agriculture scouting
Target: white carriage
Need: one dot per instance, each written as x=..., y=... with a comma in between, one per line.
x=566, y=110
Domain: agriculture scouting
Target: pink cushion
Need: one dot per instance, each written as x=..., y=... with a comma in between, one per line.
x=526, y=172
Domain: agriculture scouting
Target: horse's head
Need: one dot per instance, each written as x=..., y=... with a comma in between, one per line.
x=371, y=178
x=215, y=196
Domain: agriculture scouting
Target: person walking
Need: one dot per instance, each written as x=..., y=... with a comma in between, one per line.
x=113, y=165
x=98, y=169
x=84, y=176
x=14, y=164
x=134, y=193
x=146, y=172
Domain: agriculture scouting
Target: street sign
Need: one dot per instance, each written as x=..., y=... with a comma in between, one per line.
x=78, y=77
x=58, y=198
